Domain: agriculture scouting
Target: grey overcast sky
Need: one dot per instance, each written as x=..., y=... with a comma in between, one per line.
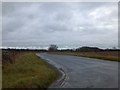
x=69, y=25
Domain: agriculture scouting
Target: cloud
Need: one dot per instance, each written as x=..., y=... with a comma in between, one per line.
x=64, y=24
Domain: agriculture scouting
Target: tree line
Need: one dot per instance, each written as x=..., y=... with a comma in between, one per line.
x=81, y=49
x=54, y=47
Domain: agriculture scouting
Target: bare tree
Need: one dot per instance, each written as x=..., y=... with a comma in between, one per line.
x=53, y=47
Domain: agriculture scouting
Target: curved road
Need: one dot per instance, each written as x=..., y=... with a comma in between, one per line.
x=85, y=72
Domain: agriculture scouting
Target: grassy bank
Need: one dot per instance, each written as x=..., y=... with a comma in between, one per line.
x=106, y=55
x=28, y=71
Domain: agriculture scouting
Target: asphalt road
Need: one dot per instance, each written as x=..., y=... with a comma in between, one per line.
x=85, y=72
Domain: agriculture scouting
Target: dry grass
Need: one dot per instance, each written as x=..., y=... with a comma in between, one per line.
x=106, y=55
x=27, y=71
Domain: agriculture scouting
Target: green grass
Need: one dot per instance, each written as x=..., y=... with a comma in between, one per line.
x=28, y=71
x=106, y=55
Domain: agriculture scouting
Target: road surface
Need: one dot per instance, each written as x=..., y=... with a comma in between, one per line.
x=85, y=72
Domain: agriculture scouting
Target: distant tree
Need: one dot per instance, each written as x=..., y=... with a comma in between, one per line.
x=53, y=47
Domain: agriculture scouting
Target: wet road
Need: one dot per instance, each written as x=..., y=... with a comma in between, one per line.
x=85, y=72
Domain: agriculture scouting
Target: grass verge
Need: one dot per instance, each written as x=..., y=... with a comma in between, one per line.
x=28, y=71
x=105, y=55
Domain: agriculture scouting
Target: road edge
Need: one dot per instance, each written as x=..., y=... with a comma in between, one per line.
x=61, y=80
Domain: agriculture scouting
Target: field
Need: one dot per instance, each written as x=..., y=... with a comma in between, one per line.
x=106, y=55
x=26, y=70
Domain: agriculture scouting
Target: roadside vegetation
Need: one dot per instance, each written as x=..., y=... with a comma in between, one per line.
x=105, y=55
x=21, y=68
x=26, y=70
x=90, y=52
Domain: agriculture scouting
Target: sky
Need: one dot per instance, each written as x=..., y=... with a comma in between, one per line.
x=68, y=25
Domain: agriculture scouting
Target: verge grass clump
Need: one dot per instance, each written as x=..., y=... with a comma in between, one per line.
x=28, y=71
